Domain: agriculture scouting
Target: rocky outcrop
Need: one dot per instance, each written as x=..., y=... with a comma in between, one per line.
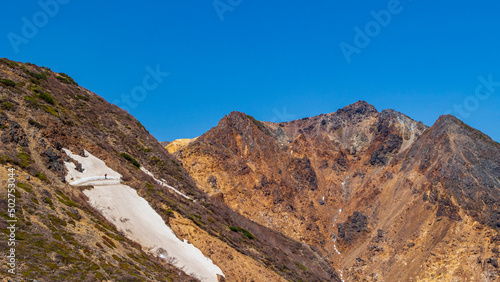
x=355, y=226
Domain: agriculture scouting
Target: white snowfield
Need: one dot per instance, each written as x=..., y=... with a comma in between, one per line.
x=133, y=215
x=92, y=181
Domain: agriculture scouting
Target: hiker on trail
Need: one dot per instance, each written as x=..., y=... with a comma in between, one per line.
x=106, y=176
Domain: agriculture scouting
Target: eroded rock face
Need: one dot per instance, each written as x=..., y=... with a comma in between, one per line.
x=347, y=174
x=54, y=159
x=356, y=224
x=13, y=132
x=386, y=150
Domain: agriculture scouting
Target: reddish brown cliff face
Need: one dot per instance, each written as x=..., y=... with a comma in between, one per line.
x=383, y=196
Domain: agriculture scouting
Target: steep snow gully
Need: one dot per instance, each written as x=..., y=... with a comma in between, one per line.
x=133, y=215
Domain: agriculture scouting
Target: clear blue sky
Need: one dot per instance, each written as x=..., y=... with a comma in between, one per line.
x=275, y=60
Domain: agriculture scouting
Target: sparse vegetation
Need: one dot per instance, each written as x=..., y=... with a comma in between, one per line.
x=6, y=105
x=196, y=218
x=158, y=162
x=145, y=149
x=35, y=124
x=81, y=97
x=47, y=98
x=66, y=78
x=25, y=159
x=41, y=176
x=34, y=81
x=259, y=125
x=8, y=63
x=31, y=101
x=65, y=200
x=37, y=75
x=108, y=242
x=56, y=221
x=25, y=187
x=244, y=231
x=48, y=201
x=130, y=159
x=40, y=94
x=51, y=110
x=301, y=266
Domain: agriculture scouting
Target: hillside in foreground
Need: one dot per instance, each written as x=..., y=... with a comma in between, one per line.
x=63, y=142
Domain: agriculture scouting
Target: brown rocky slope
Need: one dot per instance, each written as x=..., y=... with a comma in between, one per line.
x=62, y=238
x=384, y=197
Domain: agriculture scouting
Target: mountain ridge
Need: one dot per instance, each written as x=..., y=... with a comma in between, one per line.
x=304, y=176
x=355, y=194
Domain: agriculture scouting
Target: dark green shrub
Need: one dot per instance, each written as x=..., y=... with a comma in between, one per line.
x=7, y=82
x=66, y=200
x=130, y=159
x=108, y=242
x=301, y=266
x=244, y=231
x=66, y=78
x=25, y=159
x=8, y=63
x=34, y=81
x=35, y=124
x=47, y=98
x=24, y=186
x=41, y=176
x=37, y=75
x=6, y=105
x=51, y=110
x=81, y=97
x=259, y=125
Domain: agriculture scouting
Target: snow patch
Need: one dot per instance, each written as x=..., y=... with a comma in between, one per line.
x=133, y=215
x=335, y=247
x=337, y=216
x=93, y=169
x=162, y=182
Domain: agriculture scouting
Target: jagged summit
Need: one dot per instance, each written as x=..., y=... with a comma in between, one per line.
x=450, y=124
x=360, y=107
x=355, y=110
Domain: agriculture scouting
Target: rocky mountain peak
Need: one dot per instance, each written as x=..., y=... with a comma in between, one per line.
x=234, y=117
x=451, y=125
x=448, y=122
x=358, y=108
